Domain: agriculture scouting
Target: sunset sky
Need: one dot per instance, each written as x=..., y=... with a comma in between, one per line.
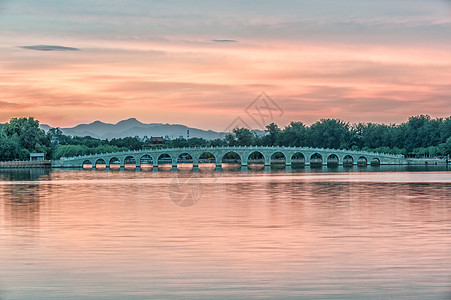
x=201, y=63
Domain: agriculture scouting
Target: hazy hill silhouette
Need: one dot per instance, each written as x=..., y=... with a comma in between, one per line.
x=133, y=127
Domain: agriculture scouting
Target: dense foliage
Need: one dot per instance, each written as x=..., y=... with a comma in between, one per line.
x=419, y=136
x=22, y=136
x=68, y=146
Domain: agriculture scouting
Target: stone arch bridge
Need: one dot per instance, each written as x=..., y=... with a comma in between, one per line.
x=242, y=155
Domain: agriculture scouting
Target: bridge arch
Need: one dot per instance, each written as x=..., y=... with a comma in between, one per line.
x=256, y=157
x=362, y=161
x=114, y=163
x=130, y=162
x=298, y=159
x=164, y=161
x=348, y=160
x=146, y=161
x=375, y=162
x=207, y=161
x=231, y=158
x=100, y=163
x=332, y=160
x=207, y=157
x=87, y=164
x=256, y=160
x=185, y=161
x=316, y=160
x=278, y=158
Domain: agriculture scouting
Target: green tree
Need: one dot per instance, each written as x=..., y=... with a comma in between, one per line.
x=422, y=132
x=9, y=148
x=218, y=143
x=445, y=129
x=58, y=137
x=446, y=147
x=244, y=137
x=29, y=137
x=272, y=138
x=330, y=133
x=230, y=140
x=294, y=135
x=127, y=142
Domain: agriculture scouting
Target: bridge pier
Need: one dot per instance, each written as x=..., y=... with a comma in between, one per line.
x=288, y=161
x=195, y=163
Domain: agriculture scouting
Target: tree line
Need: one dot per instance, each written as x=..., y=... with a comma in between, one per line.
x=22, y=136
x=419, y=136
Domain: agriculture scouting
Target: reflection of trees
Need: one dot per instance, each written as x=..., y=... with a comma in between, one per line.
x=22, y=205
x=21, y=197
x=24, y=174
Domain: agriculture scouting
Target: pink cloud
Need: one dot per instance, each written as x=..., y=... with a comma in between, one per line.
x=208, y=85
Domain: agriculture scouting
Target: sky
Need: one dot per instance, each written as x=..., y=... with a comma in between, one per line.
x=205, y=63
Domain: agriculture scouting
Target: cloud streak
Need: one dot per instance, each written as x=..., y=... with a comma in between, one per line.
x=225, y=41
x=49, y=48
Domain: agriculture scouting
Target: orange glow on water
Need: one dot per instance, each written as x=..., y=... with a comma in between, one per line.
x=343, y=233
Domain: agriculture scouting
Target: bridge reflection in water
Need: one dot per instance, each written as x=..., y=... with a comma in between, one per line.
x=243, y=156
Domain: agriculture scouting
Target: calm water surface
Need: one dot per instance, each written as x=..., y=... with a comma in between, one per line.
x=373, y=233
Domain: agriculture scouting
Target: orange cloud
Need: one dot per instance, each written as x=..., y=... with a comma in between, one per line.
x=208, y=85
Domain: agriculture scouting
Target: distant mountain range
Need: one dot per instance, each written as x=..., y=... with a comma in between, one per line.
x=133, y=127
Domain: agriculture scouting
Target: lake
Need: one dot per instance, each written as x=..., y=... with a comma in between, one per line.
x=343, y=233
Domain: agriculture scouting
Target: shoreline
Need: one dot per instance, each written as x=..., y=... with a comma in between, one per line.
x=26, y=164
